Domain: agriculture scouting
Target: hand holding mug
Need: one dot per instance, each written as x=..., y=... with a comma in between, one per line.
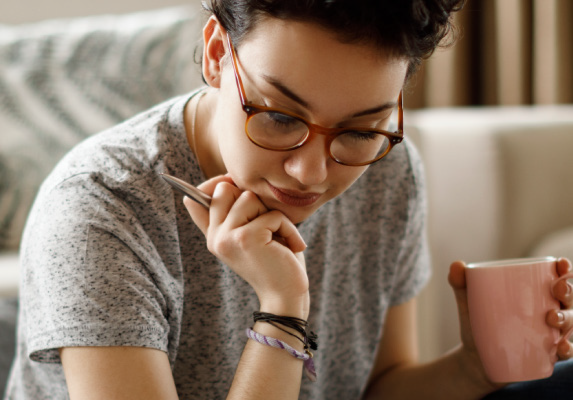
x=517, y=323
x=562, y=318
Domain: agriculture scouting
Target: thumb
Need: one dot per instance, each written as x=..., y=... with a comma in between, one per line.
x=457, y=280
x=457, y=275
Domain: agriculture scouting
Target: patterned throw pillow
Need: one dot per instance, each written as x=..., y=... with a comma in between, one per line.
x=61, y=81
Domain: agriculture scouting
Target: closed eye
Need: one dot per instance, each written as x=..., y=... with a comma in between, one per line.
x=281, y=120
x=362, y=135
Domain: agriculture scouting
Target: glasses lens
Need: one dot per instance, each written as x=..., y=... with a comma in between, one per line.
x=357, y=147
x=275, y=130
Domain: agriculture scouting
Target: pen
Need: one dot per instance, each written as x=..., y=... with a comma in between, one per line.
x=188, y=190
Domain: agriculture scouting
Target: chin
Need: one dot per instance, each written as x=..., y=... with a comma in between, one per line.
x=296, y=216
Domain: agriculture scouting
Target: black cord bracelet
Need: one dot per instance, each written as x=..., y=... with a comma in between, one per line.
x=297, y=324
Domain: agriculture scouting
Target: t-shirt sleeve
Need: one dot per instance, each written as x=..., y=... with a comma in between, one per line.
x=90, y=274
x=413, y=260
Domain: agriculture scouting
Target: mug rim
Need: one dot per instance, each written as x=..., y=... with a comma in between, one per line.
x=514, y=262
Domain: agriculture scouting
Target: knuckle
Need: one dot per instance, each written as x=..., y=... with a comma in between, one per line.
x=224, y=246
x=252, y=199
x=276, y=214
x=224, y=189
x=242, y=238
x=219, y=246
x=248, y=195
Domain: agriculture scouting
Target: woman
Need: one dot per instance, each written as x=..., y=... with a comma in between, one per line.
x=136, y=300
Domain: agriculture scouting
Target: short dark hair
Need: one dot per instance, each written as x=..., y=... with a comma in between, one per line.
x=412, y=29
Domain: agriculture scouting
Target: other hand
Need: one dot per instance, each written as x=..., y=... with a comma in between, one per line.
x=562, y=319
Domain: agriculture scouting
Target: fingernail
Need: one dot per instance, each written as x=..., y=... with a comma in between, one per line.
x=560, y=317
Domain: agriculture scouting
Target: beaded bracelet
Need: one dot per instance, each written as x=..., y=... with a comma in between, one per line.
x=306, y=357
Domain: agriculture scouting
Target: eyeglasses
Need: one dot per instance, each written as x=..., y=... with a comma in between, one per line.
x=279, y=130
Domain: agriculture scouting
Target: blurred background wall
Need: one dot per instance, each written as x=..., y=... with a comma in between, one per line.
x=509, y=52
x=22, y=11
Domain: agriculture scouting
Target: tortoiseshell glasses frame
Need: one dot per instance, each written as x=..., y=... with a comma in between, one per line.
x=252, y=110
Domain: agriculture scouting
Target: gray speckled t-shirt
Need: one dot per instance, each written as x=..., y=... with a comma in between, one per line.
x=111, y=258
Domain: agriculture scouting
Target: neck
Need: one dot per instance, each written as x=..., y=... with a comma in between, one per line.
x=197, y=116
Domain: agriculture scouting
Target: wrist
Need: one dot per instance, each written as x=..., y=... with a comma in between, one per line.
x=281, y=334
x=281, y=331
x=292, y=307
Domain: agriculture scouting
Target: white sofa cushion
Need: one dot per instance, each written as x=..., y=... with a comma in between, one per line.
x=557, y=244
x=537, y=184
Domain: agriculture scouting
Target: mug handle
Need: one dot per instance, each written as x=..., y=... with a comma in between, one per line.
x=555, y=282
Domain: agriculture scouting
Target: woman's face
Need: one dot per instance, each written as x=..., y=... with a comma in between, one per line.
x=301, y=68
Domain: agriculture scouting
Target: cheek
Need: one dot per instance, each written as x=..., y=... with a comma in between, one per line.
x=244, y=161
x=347, y=176
x=232, y=141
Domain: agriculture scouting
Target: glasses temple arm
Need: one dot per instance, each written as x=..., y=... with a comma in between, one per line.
x=235, y=70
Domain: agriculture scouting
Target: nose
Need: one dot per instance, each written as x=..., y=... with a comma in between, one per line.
x=309, y=164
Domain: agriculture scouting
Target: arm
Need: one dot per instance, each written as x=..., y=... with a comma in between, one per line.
x=137, y=372
x=128, y=373
x=263, y=370
x=397, y=374
x=243, y=234
x=459, y=373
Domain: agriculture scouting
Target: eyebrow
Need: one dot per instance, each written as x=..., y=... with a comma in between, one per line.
x=293, y=96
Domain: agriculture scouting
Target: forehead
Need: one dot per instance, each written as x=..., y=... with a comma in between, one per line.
x=313, y=61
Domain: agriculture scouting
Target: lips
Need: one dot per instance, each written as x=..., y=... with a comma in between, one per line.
x=294, y=197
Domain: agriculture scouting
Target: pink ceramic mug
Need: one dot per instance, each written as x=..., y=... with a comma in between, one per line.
x=508, y=302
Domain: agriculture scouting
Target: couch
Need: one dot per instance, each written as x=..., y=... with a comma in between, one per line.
x=500, y=185
x=500, y=180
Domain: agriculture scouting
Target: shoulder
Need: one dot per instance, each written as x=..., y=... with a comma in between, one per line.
x=125, y=153
x=113, y=175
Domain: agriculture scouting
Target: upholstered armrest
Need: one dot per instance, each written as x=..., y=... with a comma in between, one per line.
x=499, y=182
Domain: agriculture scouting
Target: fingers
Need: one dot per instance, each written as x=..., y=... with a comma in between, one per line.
x=564, y=349
x=563, y=293
x=563, y=266
x=560, y=319
x=277, y=224
x=563, y=319
x=563, y=290
x=198, y=213
x=234, y=209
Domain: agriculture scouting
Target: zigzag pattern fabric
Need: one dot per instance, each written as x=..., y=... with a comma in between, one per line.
x=63, y=80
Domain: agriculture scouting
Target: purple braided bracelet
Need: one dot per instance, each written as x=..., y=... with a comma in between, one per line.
x=306, y=357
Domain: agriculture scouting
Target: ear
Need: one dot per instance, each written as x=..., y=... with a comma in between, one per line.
x=213, y=52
